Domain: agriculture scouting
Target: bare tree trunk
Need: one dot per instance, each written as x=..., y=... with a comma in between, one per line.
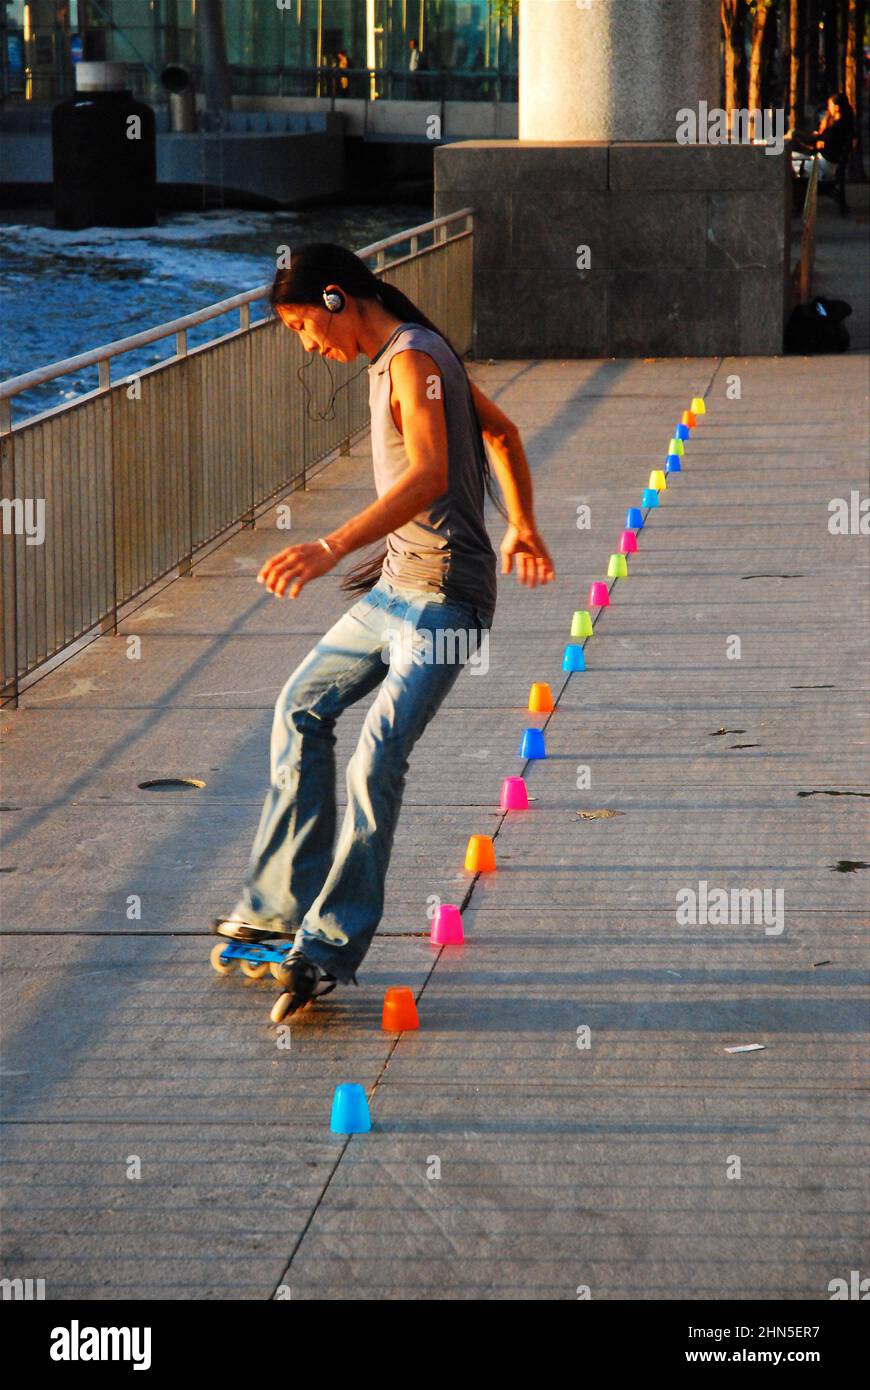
x=794, y=62
x=853, y=83
x=727, y=15
x=762, y=10
x=850, y=83
x=738, y=36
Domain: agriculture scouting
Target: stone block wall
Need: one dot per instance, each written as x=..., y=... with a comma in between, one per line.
x=689, y=246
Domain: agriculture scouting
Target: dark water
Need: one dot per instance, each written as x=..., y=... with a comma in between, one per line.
x=62, y=293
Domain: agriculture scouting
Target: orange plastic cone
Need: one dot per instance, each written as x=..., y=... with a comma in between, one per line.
x=540, y=698
x=480, y=855
x=400, y=1010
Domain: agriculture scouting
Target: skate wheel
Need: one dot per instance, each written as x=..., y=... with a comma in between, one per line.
x=278, y=972
x=222, y=967
x=280, y=1007
x=255, y=970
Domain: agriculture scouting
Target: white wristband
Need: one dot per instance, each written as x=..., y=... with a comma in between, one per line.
x=327, y=547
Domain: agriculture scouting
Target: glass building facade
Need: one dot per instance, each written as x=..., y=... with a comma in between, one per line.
x=465, y=49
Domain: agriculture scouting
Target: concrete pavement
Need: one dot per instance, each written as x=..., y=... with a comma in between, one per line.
x=611, y=1167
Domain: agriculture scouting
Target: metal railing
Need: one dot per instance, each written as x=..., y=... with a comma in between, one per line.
x=806, y=263
x=132, y=479
x=484, y=84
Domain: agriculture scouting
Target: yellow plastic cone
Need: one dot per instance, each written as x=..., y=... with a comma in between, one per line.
x=480, y=855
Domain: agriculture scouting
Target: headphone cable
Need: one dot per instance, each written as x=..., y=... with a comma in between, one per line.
x=328, y=413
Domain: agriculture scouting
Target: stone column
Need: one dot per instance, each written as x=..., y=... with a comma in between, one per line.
x=614, y=69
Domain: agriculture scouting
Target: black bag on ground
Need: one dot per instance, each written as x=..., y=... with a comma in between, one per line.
x=818, y=327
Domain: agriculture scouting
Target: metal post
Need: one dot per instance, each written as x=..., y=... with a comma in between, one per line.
x=319, y=55
x=247, y=519
x=109, y=624
x=10, y=689
x=185, y=566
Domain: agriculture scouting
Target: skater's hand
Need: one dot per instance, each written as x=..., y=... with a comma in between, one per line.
x=293, y=567
x=533, y=563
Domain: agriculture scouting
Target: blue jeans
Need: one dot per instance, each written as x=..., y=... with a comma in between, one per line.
x=413, y=644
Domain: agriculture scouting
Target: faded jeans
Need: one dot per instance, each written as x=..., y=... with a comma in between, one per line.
x=802, y=165
x=413, y=644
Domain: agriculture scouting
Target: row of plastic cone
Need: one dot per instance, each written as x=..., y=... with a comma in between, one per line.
x=574, y=657
x=617, y=568
x=350, y=1107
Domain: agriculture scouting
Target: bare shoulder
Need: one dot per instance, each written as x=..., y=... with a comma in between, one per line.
x=412, y=370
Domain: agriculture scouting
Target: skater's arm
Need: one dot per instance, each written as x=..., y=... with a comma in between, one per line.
x=508, y=459
x=522, y=540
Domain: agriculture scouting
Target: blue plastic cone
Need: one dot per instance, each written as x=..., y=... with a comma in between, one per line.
x=574, y=658
x=533, y=745
x=350, y=1110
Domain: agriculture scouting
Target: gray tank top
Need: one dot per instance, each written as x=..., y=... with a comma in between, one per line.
x=446, y=547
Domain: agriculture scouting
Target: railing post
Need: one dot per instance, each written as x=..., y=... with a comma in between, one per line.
x=109, y=624
x=306, y=444
x=10, y=690
x=808, y=235
x=247, y=519
x=185, y=565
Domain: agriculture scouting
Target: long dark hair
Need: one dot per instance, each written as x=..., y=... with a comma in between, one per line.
x=844, y=106
x=313, y=267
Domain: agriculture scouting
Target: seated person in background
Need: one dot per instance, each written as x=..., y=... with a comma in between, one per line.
x=831, y=142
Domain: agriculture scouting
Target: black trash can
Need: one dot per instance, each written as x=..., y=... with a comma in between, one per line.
x=104, y=151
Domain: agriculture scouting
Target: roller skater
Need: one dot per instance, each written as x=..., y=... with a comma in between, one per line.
x=310, y=905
